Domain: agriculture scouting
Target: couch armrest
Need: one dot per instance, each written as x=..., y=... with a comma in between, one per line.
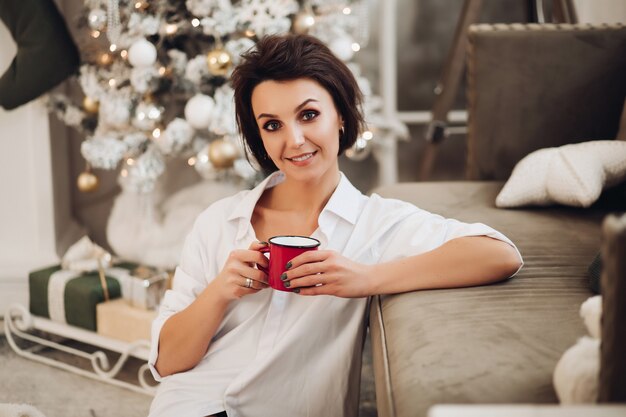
x=612, y=386
x=490, y=344
x=536, y=86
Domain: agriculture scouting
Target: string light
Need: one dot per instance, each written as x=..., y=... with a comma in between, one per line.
x=356, y=47
x=95, y=34
x=141, y=5
x=112, y=82
x=347, y=10
x=124, y=172
x=130, y=161
x=162, y=71
x=195, y=23
x=367, y=135
x=171, y=28
x=113, y=47
x=156, y=133
x=105, y=59
x=191, y=161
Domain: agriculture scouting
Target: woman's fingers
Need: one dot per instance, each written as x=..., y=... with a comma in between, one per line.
x=249, y=256
x=309, y=257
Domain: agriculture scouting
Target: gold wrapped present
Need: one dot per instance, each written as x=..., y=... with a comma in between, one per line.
x=120, y=320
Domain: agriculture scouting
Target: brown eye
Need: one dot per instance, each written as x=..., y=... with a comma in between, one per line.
x=271, y=126
x=309, y=115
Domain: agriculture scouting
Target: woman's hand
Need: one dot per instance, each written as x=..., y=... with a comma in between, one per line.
x=232, y=283
x=337, y=275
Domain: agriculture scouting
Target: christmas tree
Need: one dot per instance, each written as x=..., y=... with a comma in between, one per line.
x=155, y=77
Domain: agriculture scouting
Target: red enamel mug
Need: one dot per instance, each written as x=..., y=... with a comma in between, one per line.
x=282, y=249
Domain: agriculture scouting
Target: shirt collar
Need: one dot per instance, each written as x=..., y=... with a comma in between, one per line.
x=344, y=202
x=246, y=206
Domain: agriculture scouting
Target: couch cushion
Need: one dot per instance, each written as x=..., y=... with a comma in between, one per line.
x=491, y=344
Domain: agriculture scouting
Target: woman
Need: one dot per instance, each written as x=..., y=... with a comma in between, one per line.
x=227, y=343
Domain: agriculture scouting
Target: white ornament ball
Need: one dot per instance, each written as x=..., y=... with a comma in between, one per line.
x=342, y=48
x=142, y=53
x=198, y=111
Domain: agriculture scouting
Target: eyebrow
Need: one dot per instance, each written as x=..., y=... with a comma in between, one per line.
x=296, y=110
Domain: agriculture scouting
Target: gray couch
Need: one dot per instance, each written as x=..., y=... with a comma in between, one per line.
x=529, y=87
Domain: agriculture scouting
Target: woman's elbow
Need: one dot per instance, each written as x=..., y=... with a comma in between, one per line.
x=510, y=261
x=162, y=369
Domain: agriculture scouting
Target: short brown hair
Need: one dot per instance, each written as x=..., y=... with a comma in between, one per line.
x=289, y=57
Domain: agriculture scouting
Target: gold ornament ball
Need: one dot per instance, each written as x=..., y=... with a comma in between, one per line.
x=87, y=182
x=222, y=153
x=90, y=105
x=219, y=62
x=303, y=22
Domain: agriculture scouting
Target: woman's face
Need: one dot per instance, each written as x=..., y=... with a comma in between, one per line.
x=299, y=126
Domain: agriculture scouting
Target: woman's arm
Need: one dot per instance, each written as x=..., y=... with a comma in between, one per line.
x=185, y=337
x=460, y=262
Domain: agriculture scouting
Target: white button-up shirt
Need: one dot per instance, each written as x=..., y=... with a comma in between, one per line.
x=279, y=353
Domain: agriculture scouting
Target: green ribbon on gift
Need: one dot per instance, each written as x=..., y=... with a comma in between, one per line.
x=81, y=295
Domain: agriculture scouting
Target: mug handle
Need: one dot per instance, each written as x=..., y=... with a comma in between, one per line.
x=265, y=249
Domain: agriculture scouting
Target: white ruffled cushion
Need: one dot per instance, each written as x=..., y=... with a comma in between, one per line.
x=573, y=175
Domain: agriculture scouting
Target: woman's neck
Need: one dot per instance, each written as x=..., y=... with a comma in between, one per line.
x=293, y=195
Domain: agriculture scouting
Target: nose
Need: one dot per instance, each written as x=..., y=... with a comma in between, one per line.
x=296, y=137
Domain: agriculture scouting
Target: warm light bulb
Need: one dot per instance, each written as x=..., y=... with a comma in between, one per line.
x=130, y=161
x=356, y=47
x=171, y=29
x=162, y=71
x=112, y=82
x=105, y=59
x=113, y=47
x=195, y=23
x=191, y=161
x=347, y=10
x=124, y=172
x=156, y=133
x=95, y=34
x=124, y=53
x=249, y=33
x=367, y=135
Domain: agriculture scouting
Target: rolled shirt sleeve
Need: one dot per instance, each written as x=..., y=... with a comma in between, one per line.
x=188, y=282
x=418, y=231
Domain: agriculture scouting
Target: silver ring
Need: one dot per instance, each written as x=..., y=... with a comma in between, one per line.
x=248, y=283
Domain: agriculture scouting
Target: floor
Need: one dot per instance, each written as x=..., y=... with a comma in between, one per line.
x=59, y=393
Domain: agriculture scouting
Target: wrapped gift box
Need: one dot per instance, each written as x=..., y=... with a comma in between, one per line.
x=120, y=320
x=70, y=297
x=146, y=287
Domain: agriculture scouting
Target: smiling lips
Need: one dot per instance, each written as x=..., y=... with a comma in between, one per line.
x=302, y=157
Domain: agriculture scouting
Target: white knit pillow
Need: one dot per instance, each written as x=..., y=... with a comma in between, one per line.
x=572, y=175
